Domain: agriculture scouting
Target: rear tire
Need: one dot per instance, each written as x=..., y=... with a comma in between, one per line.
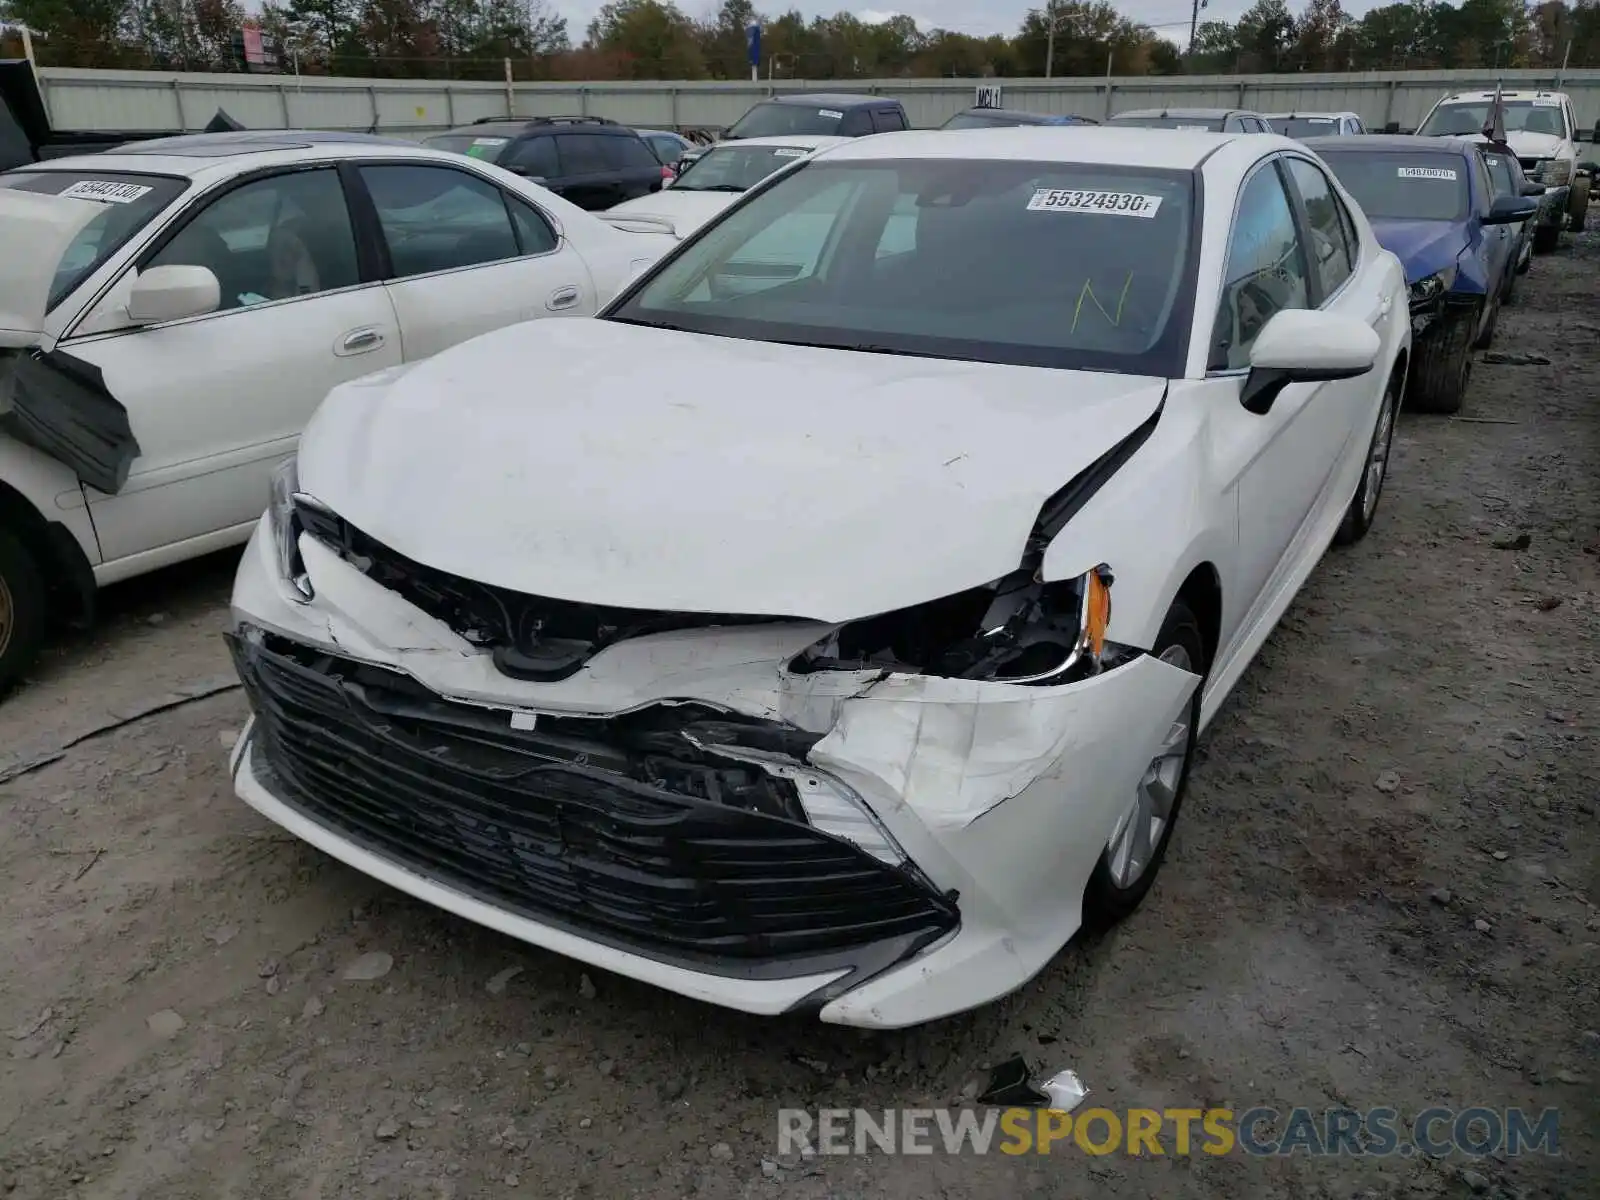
x=1441, y=368
x=22, y=611
x=1115, y=891
x=1364, y=504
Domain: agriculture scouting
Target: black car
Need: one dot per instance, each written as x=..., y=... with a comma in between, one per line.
x=592, y=161
x=995, y=118
x=829, y=114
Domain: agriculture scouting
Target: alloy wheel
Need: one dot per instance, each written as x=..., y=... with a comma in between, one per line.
x=1378, y=460
x=1133, y=845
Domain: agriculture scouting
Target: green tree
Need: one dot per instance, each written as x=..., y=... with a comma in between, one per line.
x=656, y=39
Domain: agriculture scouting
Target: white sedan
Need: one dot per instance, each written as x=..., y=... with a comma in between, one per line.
x=715, y=178
x=172, y=312
x=838, y=644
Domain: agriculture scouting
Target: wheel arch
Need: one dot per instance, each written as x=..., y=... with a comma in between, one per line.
x=67, y=571
x=1201, y=593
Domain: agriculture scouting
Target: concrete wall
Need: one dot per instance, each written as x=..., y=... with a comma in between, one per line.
x=133, y=100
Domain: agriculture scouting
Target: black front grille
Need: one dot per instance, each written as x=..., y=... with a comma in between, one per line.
x=614, y=831
x=531, y=637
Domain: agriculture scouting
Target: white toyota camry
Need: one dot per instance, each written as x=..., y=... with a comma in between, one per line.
x=172, y=312
x=839, y=640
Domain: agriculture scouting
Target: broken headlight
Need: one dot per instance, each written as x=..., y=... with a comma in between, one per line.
x=285, y=526
x=1019, y=629
x=1427, y=290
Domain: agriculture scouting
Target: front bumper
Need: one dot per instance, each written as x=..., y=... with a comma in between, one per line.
x=1002, y=798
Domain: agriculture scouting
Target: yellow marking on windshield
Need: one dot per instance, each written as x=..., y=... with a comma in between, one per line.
x=1088, y=293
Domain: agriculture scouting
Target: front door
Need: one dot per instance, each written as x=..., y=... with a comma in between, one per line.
x=215, y=401
x=466, y=257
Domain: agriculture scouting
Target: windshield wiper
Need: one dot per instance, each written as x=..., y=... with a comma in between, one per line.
x=715, y=187
x=645, y=323
x=868, y=348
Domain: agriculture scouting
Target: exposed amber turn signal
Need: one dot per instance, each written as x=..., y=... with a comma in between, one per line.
x=1097, y=609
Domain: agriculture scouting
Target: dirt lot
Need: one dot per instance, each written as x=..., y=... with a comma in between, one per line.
x=1383, y=893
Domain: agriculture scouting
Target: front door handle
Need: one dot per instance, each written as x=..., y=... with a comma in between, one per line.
x=359, y=341
x=562, y=298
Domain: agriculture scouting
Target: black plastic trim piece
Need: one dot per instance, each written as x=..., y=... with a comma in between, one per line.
x=1066, y=503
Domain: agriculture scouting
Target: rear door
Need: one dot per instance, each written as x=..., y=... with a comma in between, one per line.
x=216, y=400
x=464, y=257
x=638, y=169
x=587, y=177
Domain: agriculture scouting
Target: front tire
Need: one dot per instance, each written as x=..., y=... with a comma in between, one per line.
x=1131, y=859
x=1442, y=367
x=1364, y=504
x=22, y=610
x=1579, y=214
x=1547, y=237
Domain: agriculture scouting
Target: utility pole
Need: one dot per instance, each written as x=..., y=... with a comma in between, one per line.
x=1050, y=40
x=1194, y=23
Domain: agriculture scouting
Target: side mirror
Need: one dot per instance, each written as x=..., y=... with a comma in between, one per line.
x=1592, y=167
x=1300, y=345
x=173, y=293
x=1533, y=189
x=1508, y=210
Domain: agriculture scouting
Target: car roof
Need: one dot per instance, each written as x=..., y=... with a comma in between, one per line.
x=1099, y=145
x=1187, y=112
x=510, y=127
x=660, y=133
x=251, y=141
x=1396, y=143
x=832, y=99
x=200, y=163
x=1303, y=114
x=811, y=141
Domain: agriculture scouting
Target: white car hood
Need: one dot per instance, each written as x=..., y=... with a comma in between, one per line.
x=687, y=210
x=35, y=231
x=641, y=468
x=1533, y=145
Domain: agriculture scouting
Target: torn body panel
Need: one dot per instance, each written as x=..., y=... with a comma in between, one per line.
x=986, y=802
x=60, y=405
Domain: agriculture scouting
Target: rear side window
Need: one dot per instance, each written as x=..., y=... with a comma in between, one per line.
x=534, y=157
x=583, y=154
x=629, y=154
x=437, y=219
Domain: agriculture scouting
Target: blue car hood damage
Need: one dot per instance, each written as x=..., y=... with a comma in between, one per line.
x=1425, y=248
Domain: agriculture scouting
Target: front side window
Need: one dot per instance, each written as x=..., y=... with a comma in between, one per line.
x=436, y=219
x=1266, y=271
x=735, y=168
x=1330, y=253
x=1408, y=186
x=1045, y=264
x=534, y=157
x=1466, y=118
x=667, y=150
x=278, y=238
x=1500, y=175
x=625, y=153
x=889, y=120
x=786, y=120
x=583, y=154
x=129, y=203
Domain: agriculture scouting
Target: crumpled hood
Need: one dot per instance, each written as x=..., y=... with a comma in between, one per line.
x=620, y=465
x=1423, y=247
x=687, y=210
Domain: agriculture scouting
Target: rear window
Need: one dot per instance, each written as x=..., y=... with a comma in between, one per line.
x=131, y=201
x=1214, y=124
x=1304, y=127
x=786, y=120
x=1415, y=187
x=1043, y=264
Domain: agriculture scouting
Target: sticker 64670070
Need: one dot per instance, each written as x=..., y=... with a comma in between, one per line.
x=1116, y=204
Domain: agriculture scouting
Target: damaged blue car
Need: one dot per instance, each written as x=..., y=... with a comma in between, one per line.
x=1432, y=202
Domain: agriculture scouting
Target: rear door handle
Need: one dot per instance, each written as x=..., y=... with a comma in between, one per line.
x=562, y=298
x=359, y=341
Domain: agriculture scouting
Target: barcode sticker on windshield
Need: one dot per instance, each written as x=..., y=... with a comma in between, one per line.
x=1545, y=102
x=784, y=152
x=830, y=114
x=1200, y=128
x=489, y=141
x=1427, y=173
x=1117, y=204
x=105, y=191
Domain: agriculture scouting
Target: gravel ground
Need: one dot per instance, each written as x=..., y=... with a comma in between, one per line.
x=1382, y=893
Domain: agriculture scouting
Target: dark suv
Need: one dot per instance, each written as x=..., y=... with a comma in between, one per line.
x=828, y=114
x=592, y=161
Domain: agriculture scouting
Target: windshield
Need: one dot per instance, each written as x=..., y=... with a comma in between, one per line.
x=1304, y=127
x=786, y=120
x=1403, y=187
x=1214, y=124
x=1037, y=264
x=735, y=168
x=1522, y=116
x=484, y=146
x=130, y=202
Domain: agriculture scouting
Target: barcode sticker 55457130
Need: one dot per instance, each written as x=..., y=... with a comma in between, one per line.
x=1113, y=204
x=105, y=190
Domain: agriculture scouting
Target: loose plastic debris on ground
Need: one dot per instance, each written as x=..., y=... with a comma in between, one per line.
x=1383, y=892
